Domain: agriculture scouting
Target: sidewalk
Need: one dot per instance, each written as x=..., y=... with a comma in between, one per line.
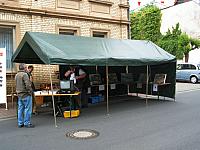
x=10, y=113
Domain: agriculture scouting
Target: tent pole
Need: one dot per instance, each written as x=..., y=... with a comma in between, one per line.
x=107, y=90
x=12, y=88
x=96, y=67
x=128, y=84
x=147, y=84
x=54, y=111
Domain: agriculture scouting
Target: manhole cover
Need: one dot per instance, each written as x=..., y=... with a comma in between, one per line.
x=83, y=134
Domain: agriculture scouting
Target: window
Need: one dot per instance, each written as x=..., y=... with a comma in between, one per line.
x=192, y=67
x=185, y=66
x=67, y=31
x=178, y=67
x=7, y=41
x=100, y=34
x=198, y=67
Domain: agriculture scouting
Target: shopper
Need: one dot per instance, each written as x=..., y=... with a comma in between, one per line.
x=29, y=72
x=24, y=93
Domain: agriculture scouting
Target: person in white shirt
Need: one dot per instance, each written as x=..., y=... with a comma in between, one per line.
x=78, y=75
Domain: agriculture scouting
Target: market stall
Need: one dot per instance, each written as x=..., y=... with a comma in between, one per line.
x=136, y=55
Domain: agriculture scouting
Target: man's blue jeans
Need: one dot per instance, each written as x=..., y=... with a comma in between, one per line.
x=24, y=110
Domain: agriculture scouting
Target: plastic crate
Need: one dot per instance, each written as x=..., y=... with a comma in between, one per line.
x=95, y=99
x=74, y=113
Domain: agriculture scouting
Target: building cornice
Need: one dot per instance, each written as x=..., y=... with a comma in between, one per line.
x=57, y=14
x=124, y=5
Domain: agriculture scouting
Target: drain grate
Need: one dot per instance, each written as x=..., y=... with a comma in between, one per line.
x=83, y=134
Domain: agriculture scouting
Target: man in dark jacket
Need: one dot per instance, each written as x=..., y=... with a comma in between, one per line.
x=24, y=93
x=29, y=72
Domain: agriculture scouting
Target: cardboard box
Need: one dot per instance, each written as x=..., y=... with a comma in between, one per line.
x=74, y=113
x=39, y=100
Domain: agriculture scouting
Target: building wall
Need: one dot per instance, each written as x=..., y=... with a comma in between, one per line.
x=48, y=16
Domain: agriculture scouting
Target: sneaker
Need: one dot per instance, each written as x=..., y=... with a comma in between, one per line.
x=35, y=113
x=20, y=126
x=29, y=126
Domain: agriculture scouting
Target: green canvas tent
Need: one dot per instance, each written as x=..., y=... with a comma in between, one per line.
x=45, y=48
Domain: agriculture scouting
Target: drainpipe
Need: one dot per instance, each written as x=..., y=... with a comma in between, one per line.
x=129, y=25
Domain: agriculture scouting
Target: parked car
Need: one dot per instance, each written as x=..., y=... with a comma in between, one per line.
x=188, y=72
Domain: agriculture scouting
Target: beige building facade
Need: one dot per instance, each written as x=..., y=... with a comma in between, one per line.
x=98, y=18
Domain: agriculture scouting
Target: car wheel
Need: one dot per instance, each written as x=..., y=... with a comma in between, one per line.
x=193, y=79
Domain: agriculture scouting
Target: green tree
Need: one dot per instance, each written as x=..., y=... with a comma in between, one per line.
x=183, y=46
x=194, y=43
x=178, y=43
x=169, y=41
x=145, y=24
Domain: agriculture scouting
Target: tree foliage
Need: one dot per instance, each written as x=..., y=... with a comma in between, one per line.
x=178, y=43
x=169, y=41
x=145, y=24
x=195, y=43
x=183, y=45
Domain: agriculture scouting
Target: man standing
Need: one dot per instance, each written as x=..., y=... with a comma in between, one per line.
x=29, y=71
x=24, y=93
x=79, y=76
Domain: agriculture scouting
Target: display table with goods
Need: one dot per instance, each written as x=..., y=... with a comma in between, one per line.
x=98, y=88
x=39, y=95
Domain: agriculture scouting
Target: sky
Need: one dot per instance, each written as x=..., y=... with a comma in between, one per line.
x=134, y=3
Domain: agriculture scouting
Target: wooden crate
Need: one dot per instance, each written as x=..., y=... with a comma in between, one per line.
x=39, y=100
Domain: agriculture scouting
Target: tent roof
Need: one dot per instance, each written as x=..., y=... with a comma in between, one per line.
x=45, y=48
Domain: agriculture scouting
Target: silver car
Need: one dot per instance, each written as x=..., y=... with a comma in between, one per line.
x=188, y=72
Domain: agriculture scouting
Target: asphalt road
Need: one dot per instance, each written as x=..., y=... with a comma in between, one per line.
x=184, y=87
x=131, y=125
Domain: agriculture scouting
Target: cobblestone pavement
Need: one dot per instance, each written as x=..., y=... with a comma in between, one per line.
x=180, y=88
